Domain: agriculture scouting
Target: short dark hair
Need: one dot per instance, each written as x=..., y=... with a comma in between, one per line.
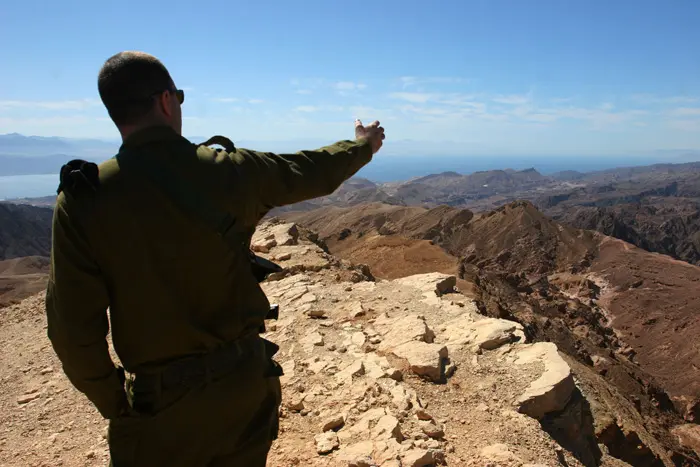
x=127, y=83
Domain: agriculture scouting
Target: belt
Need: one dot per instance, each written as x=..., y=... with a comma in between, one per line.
x=194, y=371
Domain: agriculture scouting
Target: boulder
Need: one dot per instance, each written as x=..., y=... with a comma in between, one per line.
x=362, y=427
x=432, y=285
x=486, y=333
x=401, y=330
x=358, y=454
x=326, y=442
x=432, y=430
x=355, y=369
x=285, y=234
x=552, y=390
x=426, y=360
x=688, y=436
x=417, y=457
x=499, y=453
x=333, y=422
x=387, y=427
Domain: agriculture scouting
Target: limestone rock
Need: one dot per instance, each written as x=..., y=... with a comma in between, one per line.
x=688, y=436
x=356, y=368
x=421, y=457
x=432, y=430
x=387, y=427
x=498, y=453
x=379, y=367
x=486, y=333
x=402, y=330
x=356, y=310
x=424, y=359
x=362, y=426
x=387, y=452
x=552, y=390
x=296, y=403
x=263, y=246
x=433, y=284
x=358, y=454
x=334, y=422
x=314, y=339
x=316, y=313
x=284, y=234
x=28, y=398
x=358, y=339
x=326, y=442
x=288, y=367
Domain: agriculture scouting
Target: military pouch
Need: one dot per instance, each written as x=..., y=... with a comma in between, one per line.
x=262, y=267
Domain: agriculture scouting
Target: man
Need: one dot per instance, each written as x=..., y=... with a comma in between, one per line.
x=185, y=308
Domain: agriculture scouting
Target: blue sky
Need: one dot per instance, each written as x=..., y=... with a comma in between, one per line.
x=489, y=77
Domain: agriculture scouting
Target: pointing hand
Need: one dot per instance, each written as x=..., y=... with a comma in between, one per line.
x=373, y=132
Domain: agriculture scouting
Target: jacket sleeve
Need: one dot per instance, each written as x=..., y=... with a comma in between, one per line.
x=76, y=309
x=282, y=179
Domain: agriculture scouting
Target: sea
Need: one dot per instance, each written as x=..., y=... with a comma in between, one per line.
x=391, y=169
x=27, y=186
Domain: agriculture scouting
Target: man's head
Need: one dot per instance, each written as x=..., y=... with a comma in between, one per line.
x=137, y=91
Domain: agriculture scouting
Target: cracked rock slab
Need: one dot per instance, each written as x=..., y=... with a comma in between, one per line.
x=424, y=359
x=552, y=390
x=486, y=333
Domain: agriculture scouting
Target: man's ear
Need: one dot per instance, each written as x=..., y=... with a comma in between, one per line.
x=165, y=102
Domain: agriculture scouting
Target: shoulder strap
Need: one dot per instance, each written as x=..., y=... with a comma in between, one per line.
x=223, y=141
x=183, y=195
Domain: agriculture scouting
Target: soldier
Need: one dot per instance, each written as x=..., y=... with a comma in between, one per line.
x=198, y=386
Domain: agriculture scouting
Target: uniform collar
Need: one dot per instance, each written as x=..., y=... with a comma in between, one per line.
x=151, y=134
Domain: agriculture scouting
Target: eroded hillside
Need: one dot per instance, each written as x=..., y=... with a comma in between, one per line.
x=403, y=372
x=630, y=314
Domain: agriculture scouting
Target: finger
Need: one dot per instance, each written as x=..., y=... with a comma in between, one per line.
x=358, y=123
x=374, y=124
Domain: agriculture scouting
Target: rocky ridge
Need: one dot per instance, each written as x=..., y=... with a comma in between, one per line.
x=406, y=372
x=402, y=372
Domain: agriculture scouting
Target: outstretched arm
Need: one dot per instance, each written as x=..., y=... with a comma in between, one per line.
x=282, y=179
x=76, y=309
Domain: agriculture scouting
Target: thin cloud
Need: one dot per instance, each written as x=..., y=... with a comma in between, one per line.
x=408, y=81
x=653, y=99
x=304, y=91
x=307, y=108
x=349, y=86
x=255, y=101
x=513, y=99
x=225, y=99
x=415, y=97
x=686, y=112
x=78, y=104
x=318, y=108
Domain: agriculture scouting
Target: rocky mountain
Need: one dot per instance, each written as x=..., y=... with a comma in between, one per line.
x=24, y=231
x=654, y=207
x=21, y=278
x=661, y=217
x=629, y=314
x=401, y=372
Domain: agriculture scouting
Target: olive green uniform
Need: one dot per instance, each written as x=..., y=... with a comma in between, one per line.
x=174, y=289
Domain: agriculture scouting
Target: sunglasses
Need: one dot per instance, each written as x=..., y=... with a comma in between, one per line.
x=178, y=92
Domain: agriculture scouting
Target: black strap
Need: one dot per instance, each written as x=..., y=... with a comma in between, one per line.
x=223, y=141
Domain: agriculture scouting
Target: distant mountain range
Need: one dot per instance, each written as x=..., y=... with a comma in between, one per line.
x=397, y=161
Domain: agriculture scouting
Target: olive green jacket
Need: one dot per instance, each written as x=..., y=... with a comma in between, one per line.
x=172, y=286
